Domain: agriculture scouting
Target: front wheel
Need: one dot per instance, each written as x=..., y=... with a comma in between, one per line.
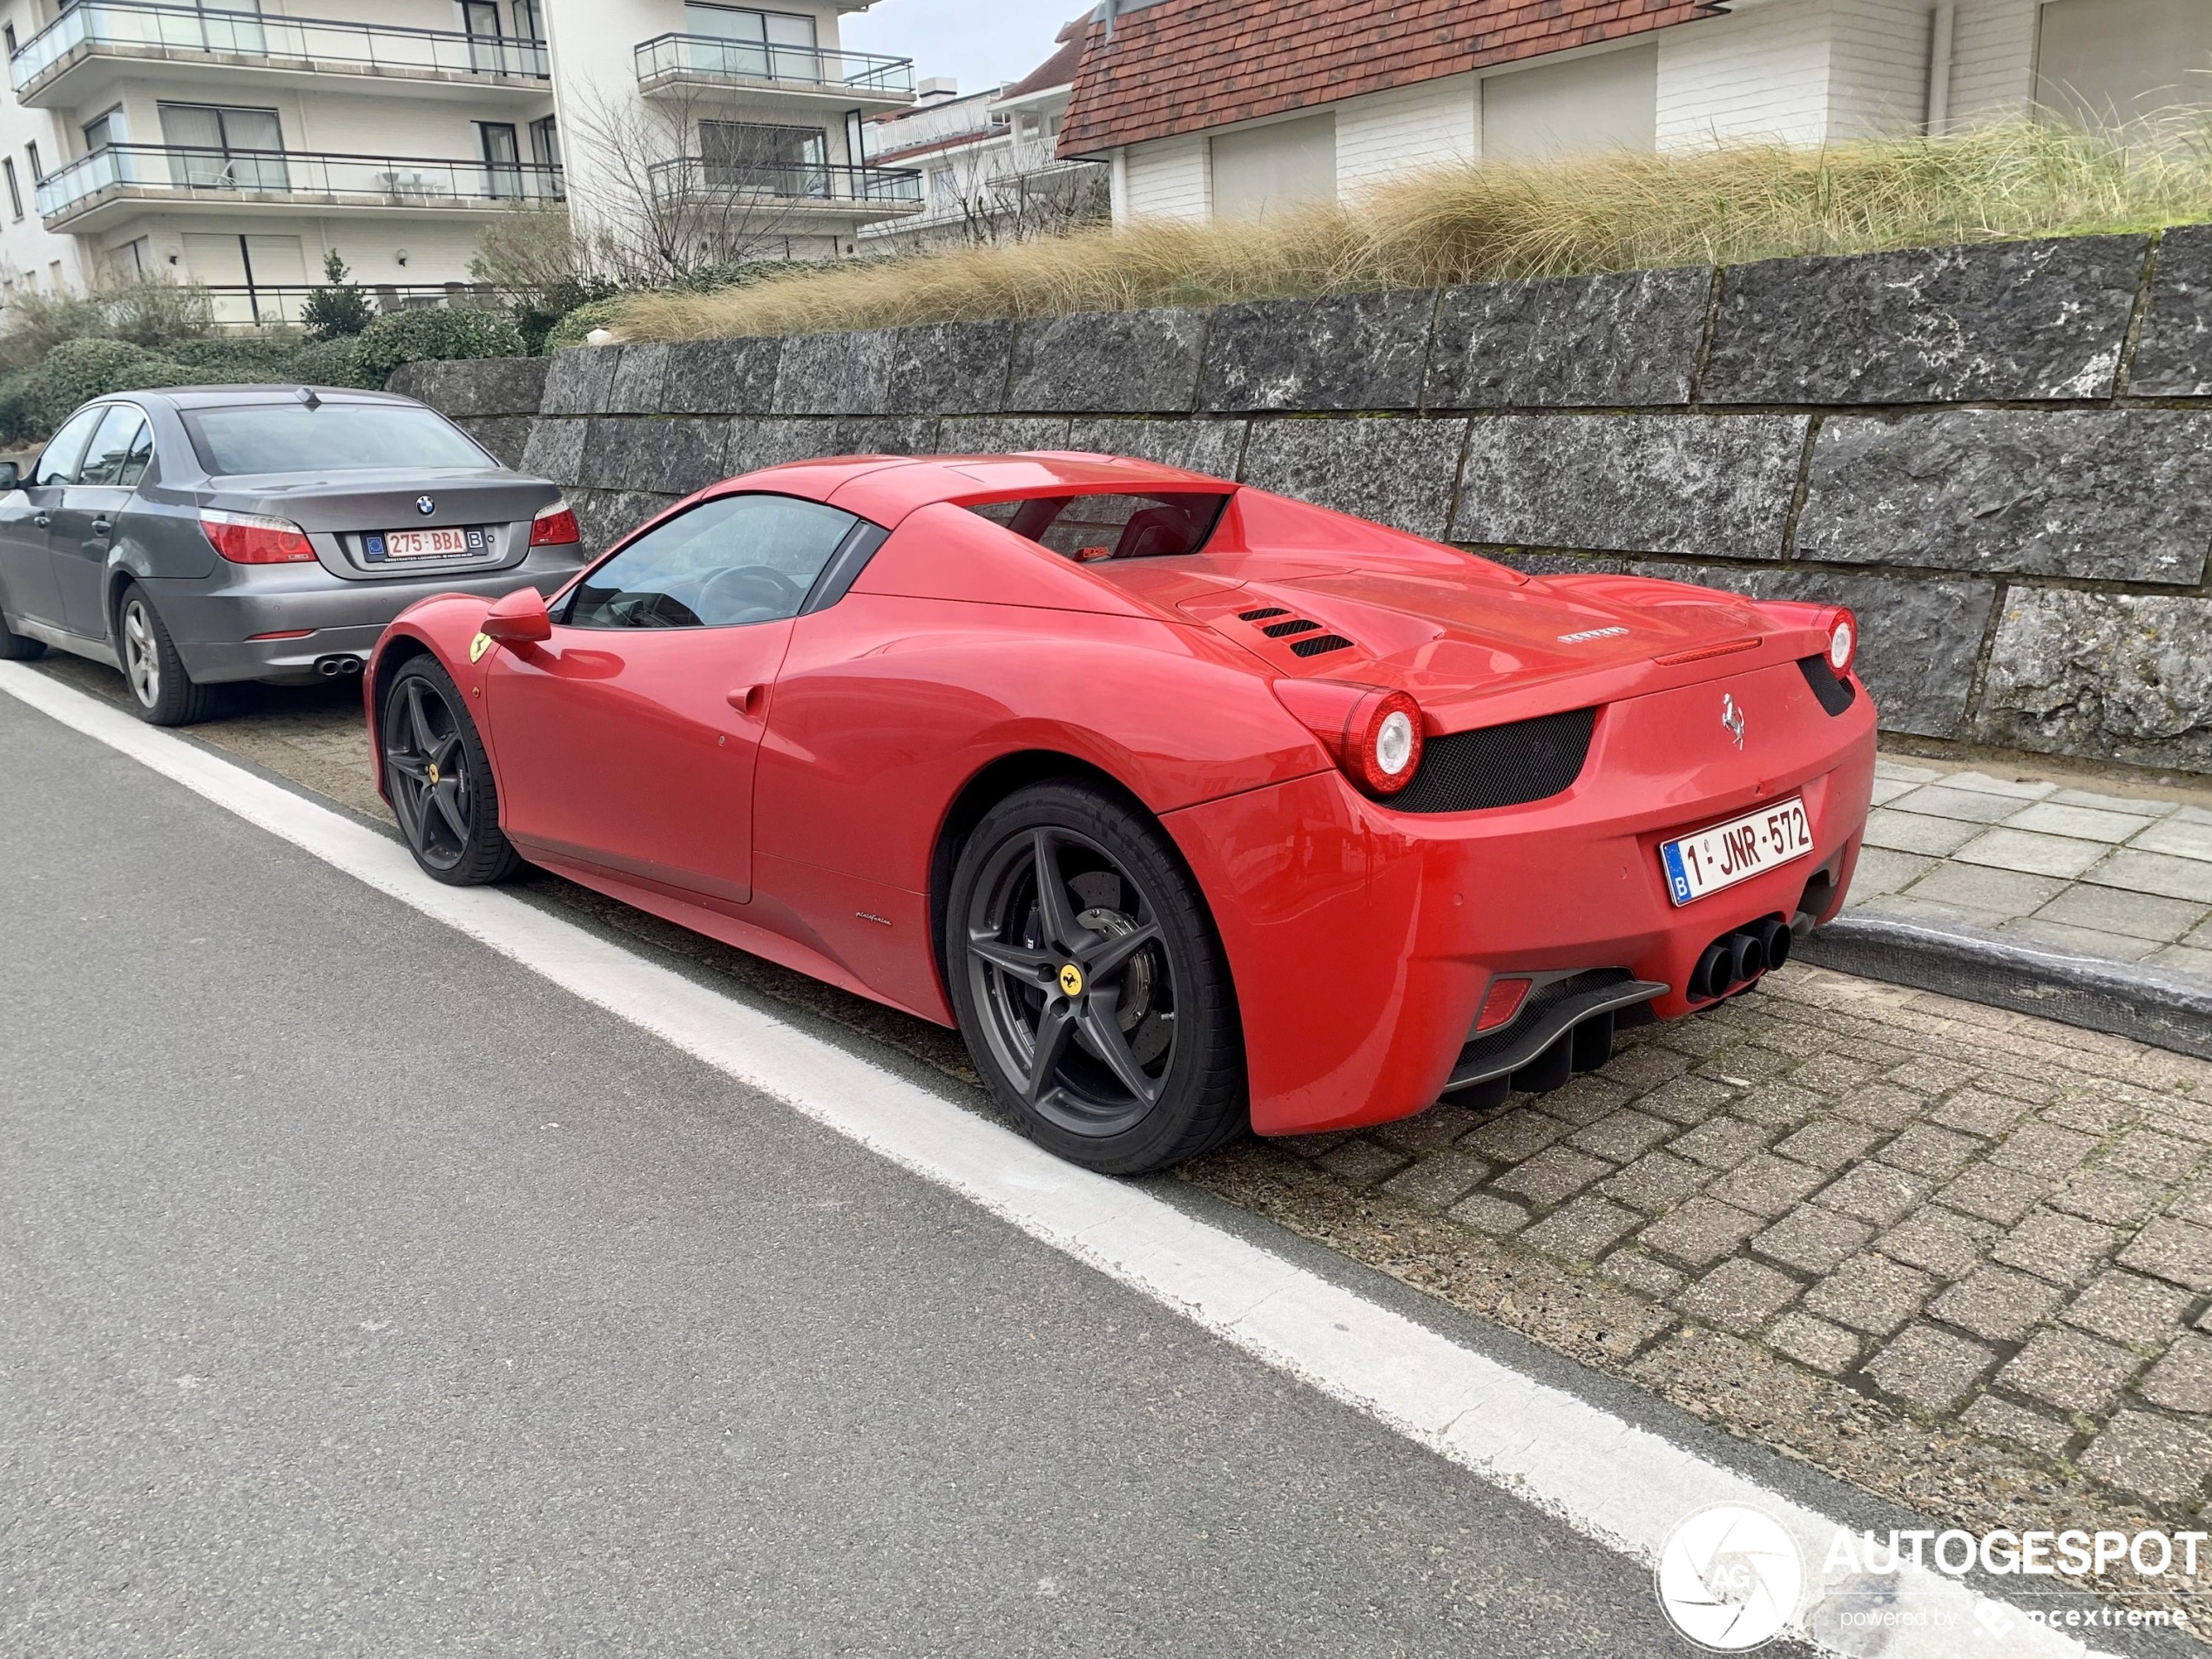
x=1090, y=985
x=440, y=779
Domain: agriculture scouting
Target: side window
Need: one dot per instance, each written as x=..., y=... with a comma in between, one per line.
x=139, y=458
x=57, y=462
x=731, y=561
x=114, y=446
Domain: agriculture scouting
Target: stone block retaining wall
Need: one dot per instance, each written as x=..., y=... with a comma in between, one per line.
x=2001, y=455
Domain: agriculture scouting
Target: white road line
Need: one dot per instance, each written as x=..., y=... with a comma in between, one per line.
x=1610, y=1481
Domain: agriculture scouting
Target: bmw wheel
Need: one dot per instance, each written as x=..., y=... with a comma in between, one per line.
x=1090, y=985
x=162, y=693
x=440, y=781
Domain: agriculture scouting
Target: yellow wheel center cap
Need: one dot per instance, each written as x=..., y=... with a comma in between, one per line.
x=1071, y=980
x=433, y=772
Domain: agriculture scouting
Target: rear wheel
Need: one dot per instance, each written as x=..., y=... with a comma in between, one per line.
x=162, y=693
x=1090, y=985
x=440, y=781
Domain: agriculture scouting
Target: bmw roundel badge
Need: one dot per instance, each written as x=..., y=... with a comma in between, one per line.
x=424, y=505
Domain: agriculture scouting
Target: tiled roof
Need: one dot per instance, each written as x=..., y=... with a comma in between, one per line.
x=1189, y=64
x=1059, y=69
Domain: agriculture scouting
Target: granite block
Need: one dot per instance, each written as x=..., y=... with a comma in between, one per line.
x=1350, y=351
x=1107, y=363
x=1556, y=342
x=1397, y=472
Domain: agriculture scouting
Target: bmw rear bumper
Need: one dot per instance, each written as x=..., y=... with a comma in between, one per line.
x=1362, y=941
x=214, y=621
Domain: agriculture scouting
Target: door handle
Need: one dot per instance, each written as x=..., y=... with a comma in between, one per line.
x=746, y=699
x=42, y=519
x=101, y=527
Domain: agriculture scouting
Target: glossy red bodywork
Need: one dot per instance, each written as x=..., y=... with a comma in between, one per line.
x=786, y=786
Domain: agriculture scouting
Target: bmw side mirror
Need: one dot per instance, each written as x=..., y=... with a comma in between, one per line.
x=519, y=618
x=10, y=477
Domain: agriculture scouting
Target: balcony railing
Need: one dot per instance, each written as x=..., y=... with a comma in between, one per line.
x=176, y=32
x=801, y=68
x=258, y=305
x=798, y=183
x=182, y=171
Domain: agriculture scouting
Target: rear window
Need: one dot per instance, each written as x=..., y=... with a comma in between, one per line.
x=1111, y=527
x=336, y=437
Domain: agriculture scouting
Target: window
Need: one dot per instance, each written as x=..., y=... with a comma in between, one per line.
x=1585, y=107
x=120, y=450
x=765, y=45
x=784, y=161
x=734, y=560
x=334, y=437
x=545, y=143
x=107, y=130
x=58, y=463
x=9, y=31
x=1085, y=527
x=527, y=26
x=37, y=172
x=2100, y=62
x=219, y=148
x=1274, y=166
x=15, y=190
x=502, y=158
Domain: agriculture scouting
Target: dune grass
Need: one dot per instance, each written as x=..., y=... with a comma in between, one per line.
x=1721, y=204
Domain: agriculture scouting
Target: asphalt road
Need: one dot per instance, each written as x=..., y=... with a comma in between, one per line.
x=361, y=1293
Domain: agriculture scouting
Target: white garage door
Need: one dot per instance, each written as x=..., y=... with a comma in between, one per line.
x=1589, y=104
x=1274, y=166
x=2118, y=60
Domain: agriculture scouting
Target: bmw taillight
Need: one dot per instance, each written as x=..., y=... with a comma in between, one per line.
x=1843, y=640
x=1373, y=735
x=249, y=538
x=555, y=526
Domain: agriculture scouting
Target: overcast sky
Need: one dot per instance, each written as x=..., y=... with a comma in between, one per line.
x=979, y=43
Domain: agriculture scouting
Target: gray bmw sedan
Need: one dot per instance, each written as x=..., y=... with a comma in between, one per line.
x=197, y=535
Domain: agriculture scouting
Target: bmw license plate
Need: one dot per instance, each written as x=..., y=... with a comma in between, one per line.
x=1736, y=851
x=426, y=544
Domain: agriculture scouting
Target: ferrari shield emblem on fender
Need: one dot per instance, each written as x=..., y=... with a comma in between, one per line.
x=478, y=646
x=1071, y=980
x=1732, y=717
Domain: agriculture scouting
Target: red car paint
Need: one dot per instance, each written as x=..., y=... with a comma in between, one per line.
x=786, y=787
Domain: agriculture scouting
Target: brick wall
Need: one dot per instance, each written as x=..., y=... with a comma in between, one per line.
x=1997, y=454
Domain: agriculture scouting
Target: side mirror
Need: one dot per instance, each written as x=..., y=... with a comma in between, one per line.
x=519, y=618
x=10, y=477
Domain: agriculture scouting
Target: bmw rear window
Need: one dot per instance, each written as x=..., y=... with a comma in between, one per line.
x=333, y=437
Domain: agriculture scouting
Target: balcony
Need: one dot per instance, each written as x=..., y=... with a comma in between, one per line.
x=235, y=307
x=104, y=187
x=794, y=77
x=769, y=194
x=89, y=41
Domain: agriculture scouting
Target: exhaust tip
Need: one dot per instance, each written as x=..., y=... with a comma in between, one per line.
x=339, y=663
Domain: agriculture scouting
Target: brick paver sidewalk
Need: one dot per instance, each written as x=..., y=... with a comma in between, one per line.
x=2102, y=873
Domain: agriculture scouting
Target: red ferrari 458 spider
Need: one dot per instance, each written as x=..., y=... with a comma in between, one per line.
x=1190, y=805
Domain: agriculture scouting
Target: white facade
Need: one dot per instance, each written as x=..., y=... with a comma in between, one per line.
x=1803, y=72
x=234, y=148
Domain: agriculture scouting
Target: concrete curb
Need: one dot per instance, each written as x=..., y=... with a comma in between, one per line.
x=2166, y=1010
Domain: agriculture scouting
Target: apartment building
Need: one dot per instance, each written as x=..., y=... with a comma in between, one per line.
x=234, y=148
x=989, y=162
x=1215, y=108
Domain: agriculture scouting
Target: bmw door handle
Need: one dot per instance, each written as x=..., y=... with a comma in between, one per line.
x=42, y=519
x=101, y=527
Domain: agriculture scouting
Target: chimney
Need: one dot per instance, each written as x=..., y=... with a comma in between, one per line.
x=936, y=90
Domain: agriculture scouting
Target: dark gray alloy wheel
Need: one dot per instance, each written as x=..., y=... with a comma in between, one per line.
x=440, y=781
x=1089, y=983
x=162, y=693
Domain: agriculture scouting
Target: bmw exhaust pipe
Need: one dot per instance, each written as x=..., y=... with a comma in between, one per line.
x=339, y=663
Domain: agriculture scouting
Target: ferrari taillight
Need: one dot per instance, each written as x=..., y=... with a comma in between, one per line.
x=1502, y=1002
x=1390, y=748
x=1843, y=640
x=555, y=526
x=1374, y=736
x=249, y=538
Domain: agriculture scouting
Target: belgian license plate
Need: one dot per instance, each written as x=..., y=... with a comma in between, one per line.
x=426, y=544
x=1736, y=851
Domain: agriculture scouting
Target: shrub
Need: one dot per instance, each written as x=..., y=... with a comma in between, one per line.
x=571, y=329
x=338, y=309
x=1723, y=204
x=78, y=369
x=454, y=331
x=330, y=363
x=154, y=312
